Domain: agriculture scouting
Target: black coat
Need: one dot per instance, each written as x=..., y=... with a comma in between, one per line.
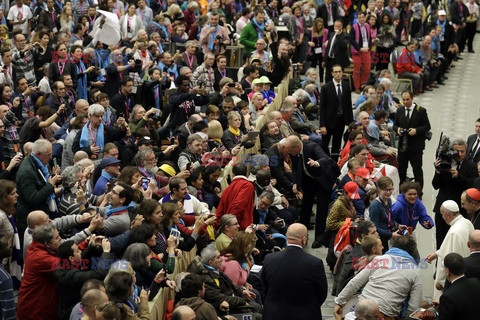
x=295, y=285
x=285, y=181
x=472, y=265
x=470, y=143
x=111, y=134
x=419, y=121
x=460, y=300
x=340, y=49
x=322, y=12
x=324, y=175
x=329, y=103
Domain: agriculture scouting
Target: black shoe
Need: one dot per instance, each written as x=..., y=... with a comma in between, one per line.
x=471, y=51
x=441, y=83
x=321, y=240
x=444, y=78
x=459, y=58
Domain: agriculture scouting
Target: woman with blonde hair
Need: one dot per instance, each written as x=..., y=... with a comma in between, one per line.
x=130, y=24
x=190, y=14
x=66, y=19
x=317, y=39
x=233, y=136
x=215, y=134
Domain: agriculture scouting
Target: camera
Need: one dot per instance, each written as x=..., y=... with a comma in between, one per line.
x=403, y=131
x=295, y=66
x=445, y=153
x=155, y=116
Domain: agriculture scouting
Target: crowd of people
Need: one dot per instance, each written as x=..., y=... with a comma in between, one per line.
x=128, y=139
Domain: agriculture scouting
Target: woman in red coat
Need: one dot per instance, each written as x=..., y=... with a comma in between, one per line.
x=38, y=298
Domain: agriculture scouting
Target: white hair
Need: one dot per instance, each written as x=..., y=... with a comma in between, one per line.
x=41, y=146
x=95, y=109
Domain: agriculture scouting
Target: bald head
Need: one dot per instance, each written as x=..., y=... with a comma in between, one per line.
x=367, y=308
x=81, y=107
x=92, y=298
x=37, y=218
x=291, y=99
x=474, y=240
x=27, y=148
x=297, y=234
x=294, y=145
x=183, y=313
x=79, y=155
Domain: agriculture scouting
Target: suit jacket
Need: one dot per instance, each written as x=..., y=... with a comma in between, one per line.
x=419, y=121
x=324, y=176
x=460, y=300
x=295, y=285
x=339, y=50
x=322, y=12
x=470, y=143
x=472, y=265
x=451, y=188
x=329, y=105
x=456, y=16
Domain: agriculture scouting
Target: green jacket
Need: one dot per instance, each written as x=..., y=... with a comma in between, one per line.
x=249, y=37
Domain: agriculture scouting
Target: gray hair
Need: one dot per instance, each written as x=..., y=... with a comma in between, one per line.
x=225, y=221
x=69, y=176
x=141, y=156
x=41, y=146
x=183, y=69
x=310, y=70
x=208, y=253
x=310, y=88
x=287, y=106
x=134, y=111
x=43, y=233
x=95, y=109
x=386, y=82
x=137, y=254
x=272, y=115
x=193, y=137
x=258, y=161
x=366, y=307
x=459, y=142
x=300, y=95
x=267, y=194
x=118, y=266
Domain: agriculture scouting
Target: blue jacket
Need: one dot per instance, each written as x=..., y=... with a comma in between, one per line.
x=404, y=213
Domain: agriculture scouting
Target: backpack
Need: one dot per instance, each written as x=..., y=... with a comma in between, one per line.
x=346, y=236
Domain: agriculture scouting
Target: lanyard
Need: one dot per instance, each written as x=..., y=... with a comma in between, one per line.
x=71, y=96
x=61, y=67
x=388, y=212
x=190, y=61
x=210, y=76
x=92, y=21
x=53, y=16
x=223, y=74
x=410, y=216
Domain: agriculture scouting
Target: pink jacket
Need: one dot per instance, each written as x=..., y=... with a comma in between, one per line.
x=234, y=271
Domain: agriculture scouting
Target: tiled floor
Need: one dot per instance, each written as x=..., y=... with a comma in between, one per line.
x=452, y=109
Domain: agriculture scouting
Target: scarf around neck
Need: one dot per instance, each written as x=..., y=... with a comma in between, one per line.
x=258, y=27
x=236, y=132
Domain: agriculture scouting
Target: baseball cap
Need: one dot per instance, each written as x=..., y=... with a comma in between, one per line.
x=351, y=189
x=264, y=79
x=145, y=140
x=363, y=172
x=255, y=59
x=442, y=13
x=108, y=161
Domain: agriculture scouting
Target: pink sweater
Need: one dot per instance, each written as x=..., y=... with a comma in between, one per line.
x=234, y=271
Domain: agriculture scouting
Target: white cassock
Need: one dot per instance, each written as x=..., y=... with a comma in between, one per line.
x=455, y=241
x=109, y=32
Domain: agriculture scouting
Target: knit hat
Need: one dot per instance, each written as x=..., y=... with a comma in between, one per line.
x=451, y=206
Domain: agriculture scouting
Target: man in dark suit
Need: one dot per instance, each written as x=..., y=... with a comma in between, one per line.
x=472, y=262
x=335, y=111
x=458, y=15
x=412, y=125
x=460, y=300
x=473, y=144
x=451, y=183
x=315, y=173
x=294, y=281
x=336, y=51
x=328, y=11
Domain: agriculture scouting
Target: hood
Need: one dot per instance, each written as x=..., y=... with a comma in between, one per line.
x=402, y=200
x=197, y=267
x=192, y=302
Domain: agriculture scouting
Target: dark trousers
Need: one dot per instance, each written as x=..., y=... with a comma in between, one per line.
x=461, y=39
x=329, y=63
x=337, y=134
x=311, y=189
x=441, y=229
x=383, y=57
x=415, y=159
x=470, y=31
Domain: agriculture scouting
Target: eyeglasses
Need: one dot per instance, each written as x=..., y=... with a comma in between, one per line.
x=388, y=190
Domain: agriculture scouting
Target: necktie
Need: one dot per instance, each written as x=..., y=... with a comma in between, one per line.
x=458, y=165
x=474, y=149
x=340, y=98
x=408, y=115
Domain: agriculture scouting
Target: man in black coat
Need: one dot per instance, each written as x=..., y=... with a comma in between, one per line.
x=450, y=184
x=473, y=144
x=315, y=173
x=412, y=125
x=472, y=262
x=337, y=50
x=335, y=111
x=328, y=11
x=294, y=281
x=458, y=15
x=461, y=299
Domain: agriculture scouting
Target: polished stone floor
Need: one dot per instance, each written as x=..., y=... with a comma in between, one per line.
x=452, y=109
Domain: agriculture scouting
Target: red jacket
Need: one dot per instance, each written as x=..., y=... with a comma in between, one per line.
x=238, y=199
x=406, y=63
x=38, y=298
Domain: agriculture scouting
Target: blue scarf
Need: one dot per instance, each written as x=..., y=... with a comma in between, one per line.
x=211, y=42
x=258, y=27
x=111, y=210
x=400, y=253
x=164, y=30
x=443, y=24
x=173, y=71
x=85, y=137
x=82, y=81
x=45, y=173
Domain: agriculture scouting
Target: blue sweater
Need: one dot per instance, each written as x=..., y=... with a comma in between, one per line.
x=378, y=214
x=410, y=215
